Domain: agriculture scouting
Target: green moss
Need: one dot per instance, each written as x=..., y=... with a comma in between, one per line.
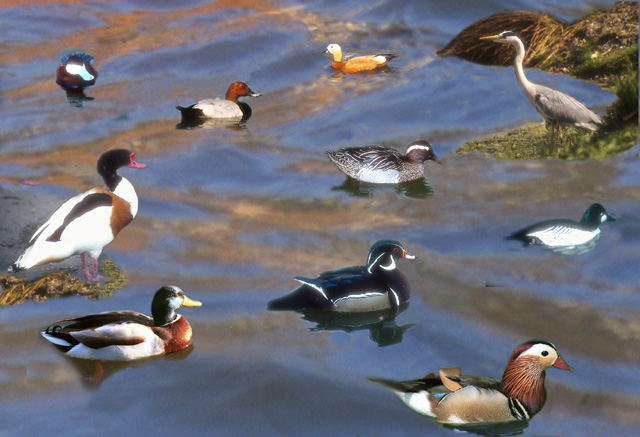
x=622, y=62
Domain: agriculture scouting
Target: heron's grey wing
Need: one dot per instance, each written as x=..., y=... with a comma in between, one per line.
x=564, y=110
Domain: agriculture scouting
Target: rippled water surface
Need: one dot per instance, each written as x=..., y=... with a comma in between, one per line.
x=231, y=215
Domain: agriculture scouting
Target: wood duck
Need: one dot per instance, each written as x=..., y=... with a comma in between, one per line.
x=126, y=335
x=382, y=164
x=454, y=399
x=228, y=108
x=375, y=286
x=357, y=64
x=565, y=232
x=86, y=223
x=76, y=72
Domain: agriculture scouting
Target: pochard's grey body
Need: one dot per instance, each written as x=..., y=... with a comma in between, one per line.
x=555, y=107
x=382, y=164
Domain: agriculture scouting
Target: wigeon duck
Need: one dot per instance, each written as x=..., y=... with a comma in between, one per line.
x=86, y=223
x=375, y=286
x=229, y=108
x=382, y=164
x=357, y=64
x=126, y=335
x=454, y=399
x=76, y=72
x=565, y=232
x=555, y=107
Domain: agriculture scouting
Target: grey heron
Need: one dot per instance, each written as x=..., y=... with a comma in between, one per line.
x=555, y=107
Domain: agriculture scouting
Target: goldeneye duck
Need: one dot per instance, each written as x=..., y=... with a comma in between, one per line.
x=229, y=108
x=375, y=286
x=76, y=72
x=451, y=398
x=382, y=164
x=357, y=64
x=565, y=232
x=86, y=223
x=126, y=335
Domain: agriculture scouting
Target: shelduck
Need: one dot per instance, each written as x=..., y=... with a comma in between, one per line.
x=126, y=335
x=357, y=64
x=454, y=399
x=86, y=223
x=375, y=286
x=382, y=164
x=229, y=108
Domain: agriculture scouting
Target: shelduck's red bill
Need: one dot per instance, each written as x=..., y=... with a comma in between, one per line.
x=562, y=364
x=134, y=164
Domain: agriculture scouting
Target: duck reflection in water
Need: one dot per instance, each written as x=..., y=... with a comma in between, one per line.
x=492, y=429
x=94, y=373
x=211, y=124
x=417, y=189
x=382, y=326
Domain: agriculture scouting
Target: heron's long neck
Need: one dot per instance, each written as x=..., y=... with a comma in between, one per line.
x=527, y=86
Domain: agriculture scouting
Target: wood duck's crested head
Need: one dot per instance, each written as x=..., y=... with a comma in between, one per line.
x=166, y=301
x=383, y=254
x=524, y=375
x=109, y=163
x=420, y=151
x=595, y=215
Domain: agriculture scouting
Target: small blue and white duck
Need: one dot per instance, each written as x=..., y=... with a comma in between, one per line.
x=565, y=232
x=126, y=335
x=375, y=286
x=76, y=72
x=382, y=164
x=86, y=223
x=454, y=399
x=228, y=108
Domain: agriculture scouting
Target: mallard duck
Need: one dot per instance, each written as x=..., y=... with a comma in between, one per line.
x=126, y=335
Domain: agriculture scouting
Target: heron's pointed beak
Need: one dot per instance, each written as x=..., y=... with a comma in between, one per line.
x=491, y=38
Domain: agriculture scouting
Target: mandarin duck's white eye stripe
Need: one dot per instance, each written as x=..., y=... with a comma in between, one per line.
x=376, y=286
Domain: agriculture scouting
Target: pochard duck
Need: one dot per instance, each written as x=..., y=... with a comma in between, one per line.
x=229, y=108
x=375, y=286
x=357, y=64
x=76, y=72
x=86, y=223
x=382, y=164
x=126, y=335
x=558, y=233
x=454, y=399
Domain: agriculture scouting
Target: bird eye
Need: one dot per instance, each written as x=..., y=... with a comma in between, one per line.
x=395, y=250
x=544, y=353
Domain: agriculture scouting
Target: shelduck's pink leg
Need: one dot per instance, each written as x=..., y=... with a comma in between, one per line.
x=85, y=269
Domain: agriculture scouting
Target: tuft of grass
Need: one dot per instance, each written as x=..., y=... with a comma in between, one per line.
x=588, y=65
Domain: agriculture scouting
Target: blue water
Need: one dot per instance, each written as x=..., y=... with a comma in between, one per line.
x=232, y=215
